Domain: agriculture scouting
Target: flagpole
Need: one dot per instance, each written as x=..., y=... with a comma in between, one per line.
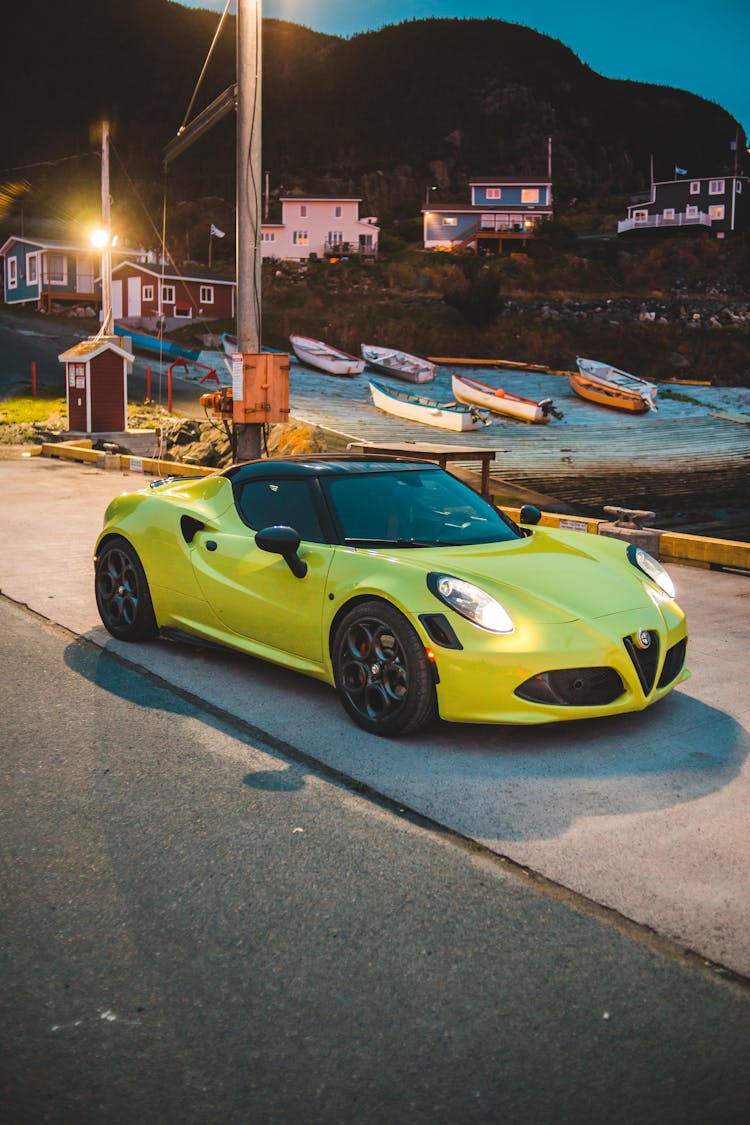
x=210, y=244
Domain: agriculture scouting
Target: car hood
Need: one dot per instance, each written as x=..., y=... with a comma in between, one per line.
x=554, y=579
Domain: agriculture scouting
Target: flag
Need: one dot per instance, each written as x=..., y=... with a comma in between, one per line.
x=216, y=232
x=680, y=171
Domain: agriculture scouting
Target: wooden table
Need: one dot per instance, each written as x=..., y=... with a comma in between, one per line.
x=427, y=451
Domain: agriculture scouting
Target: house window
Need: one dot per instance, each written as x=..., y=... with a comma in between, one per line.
x=31, y=268
x=207, y=295
x=450, y=222
x=12, y=273
x=300, y=238
x=57, y=267
x=695, y=187
x=335, y=237
x=715, y=187
x=668, y=212
x=148, y=293
x=691, y=212
x=738, y=187
x=167, y=294
x=529, y=195
x=303, y=211
x=268, y=236
x=494, y=193
x=716, y=212
x=640, y=216
x=337, y=211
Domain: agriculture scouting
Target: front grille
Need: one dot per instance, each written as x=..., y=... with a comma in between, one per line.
x=645, y=660
x=573, y=687
x=674, y=662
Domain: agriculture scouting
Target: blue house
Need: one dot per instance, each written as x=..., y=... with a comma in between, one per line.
x=503, y=215
x=43, y=271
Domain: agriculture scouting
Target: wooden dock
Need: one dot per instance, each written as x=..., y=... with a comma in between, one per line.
x=614, y=459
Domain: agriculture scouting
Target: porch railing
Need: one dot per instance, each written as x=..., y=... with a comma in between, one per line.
x=651, y=222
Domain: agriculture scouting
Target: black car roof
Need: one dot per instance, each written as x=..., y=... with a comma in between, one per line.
x=319, y=466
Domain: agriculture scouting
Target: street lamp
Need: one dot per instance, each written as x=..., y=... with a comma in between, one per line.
x=102, y=239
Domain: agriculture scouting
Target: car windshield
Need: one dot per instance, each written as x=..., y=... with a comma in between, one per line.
x=413, y=508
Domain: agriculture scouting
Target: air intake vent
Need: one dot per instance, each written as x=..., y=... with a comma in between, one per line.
x=573, y=687
x=674, y=662
x=645, y=659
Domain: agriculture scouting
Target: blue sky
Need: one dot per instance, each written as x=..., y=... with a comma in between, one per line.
x=696, y=46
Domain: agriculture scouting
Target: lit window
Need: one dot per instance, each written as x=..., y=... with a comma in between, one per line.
x=58, y=269
x=529, y=195
x=640, y=216
x=207, y=294
x=716, y=212
x=691, y=212
x=300, y=238
x=695, y=187
x=450, y=222
x=669, y=212
x=715, y=187
x=494, y=193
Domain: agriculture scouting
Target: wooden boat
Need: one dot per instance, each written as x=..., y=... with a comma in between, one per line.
x=323, y=357
x=608, y=386
x=475, y=393
x=155, y=345
x=415, y=408
x=229, y=343
x=401, y=365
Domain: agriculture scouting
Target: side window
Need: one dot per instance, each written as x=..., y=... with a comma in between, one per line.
x=269, y=503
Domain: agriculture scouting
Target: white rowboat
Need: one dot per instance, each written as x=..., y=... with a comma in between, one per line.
x=400, y=365
x=323, y=357
x=415, y=408
x=475, y=393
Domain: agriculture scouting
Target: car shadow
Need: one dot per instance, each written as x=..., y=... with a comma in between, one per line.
x=487, y=782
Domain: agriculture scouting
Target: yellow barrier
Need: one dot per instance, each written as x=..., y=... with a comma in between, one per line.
x=676, y=547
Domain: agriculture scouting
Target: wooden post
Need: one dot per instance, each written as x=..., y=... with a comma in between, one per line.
x=169, y=388
x=33, y=378
x=148, y=383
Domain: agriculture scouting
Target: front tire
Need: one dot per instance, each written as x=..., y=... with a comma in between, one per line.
x=122, y=594
x=383, y=677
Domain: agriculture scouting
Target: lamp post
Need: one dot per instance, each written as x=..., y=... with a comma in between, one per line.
x=103, y=238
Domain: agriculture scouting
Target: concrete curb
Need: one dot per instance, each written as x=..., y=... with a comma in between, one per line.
x=689, y=550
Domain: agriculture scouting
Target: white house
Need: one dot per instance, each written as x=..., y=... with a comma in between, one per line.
x=319, y=227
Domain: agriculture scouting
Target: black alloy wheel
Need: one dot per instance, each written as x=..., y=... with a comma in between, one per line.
x=122, y=594
x=383, y=676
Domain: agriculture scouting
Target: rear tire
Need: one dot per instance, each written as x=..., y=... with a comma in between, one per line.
x=122, y=594
x=383, y=677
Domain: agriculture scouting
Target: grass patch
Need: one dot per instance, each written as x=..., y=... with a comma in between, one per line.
x=22, y=409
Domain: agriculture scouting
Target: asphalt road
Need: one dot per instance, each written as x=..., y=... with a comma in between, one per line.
x=200, y=927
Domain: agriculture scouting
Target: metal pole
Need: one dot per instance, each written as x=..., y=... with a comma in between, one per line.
x=106, y=219
x=249, y=87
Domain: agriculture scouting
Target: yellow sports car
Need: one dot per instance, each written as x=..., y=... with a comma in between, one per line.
x=399, y=585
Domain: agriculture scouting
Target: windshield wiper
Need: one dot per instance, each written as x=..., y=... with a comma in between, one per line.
x=399, y=543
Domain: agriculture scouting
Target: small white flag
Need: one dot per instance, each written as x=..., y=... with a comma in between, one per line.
x=216, y=232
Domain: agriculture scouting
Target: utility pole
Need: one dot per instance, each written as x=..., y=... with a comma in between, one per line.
x=249, y=87
x=107, y=247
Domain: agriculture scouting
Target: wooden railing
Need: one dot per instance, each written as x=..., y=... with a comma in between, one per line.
x=651, y=222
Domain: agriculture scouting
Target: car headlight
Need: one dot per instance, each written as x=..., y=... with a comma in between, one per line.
x=651, y=568
x=471, y=602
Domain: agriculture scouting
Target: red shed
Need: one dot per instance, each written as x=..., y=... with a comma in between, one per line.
x=144, y=291
x=96, y=385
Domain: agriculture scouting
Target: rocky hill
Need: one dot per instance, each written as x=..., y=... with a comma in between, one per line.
x=380, y=115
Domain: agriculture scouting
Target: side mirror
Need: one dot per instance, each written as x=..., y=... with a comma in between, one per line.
x=530, y=514
x=283, y=541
